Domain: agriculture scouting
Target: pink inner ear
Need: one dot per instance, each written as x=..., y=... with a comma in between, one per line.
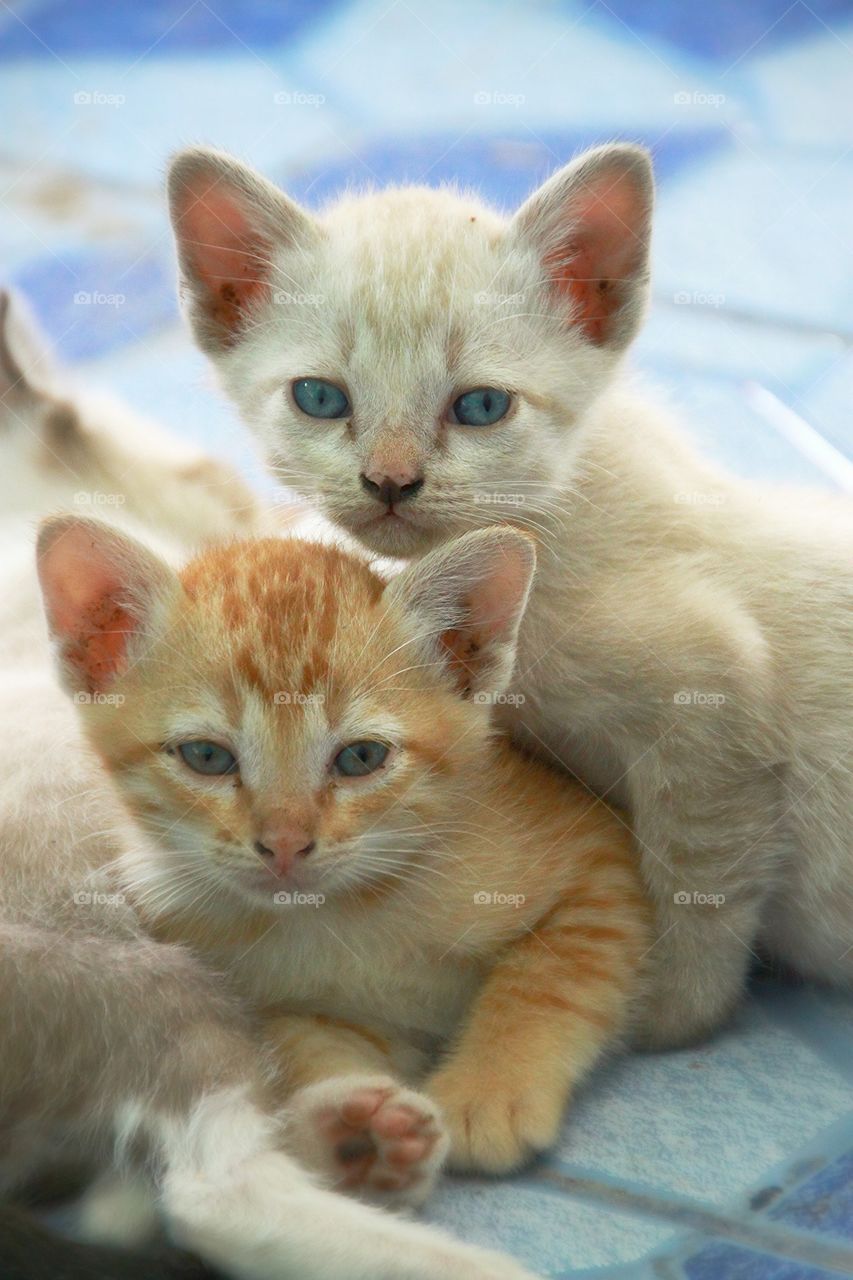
x=493, y=603
x=82, y=592
x=492, y=610
x=229, y=257
x=604, y=246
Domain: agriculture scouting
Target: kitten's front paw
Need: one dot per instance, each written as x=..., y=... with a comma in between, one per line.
x=369, y=1134
x=494, y=1125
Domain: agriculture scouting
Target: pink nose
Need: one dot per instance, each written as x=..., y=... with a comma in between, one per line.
x=397, y=472
x=391, y=485
x=280, y=846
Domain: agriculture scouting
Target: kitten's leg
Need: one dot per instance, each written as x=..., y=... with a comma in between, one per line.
x=232, y=1193
x=153, y=1056
x=350, y=1117
x=261, y=1219
x=558, y=997
x=711, y=848
x=808, y=924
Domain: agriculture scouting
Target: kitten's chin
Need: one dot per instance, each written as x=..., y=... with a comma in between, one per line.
x=396, y=536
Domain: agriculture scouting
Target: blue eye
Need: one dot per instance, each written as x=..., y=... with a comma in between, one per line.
x=360, y=758
x=482, y=407
x=320, y=399
x=207, y=757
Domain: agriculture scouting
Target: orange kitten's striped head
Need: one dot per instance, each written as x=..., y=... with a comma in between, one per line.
x=276, y=717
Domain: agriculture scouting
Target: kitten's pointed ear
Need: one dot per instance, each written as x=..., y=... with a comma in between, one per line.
x=591, y=225
x=466, y=600
x=101, y=593
x=228, y=222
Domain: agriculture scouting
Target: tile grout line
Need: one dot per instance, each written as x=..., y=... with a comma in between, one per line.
x=711, y=1223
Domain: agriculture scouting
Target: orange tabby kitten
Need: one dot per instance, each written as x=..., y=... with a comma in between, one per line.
x=438, y=931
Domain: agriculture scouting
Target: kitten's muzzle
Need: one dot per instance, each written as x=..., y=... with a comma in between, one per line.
x=389, y=492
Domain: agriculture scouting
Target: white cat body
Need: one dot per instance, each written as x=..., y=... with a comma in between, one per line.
x=687, y=648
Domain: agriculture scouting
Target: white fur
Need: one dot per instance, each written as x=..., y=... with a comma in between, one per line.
x=688, y=648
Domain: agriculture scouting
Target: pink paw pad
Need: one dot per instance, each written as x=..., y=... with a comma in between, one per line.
x=383, y=1138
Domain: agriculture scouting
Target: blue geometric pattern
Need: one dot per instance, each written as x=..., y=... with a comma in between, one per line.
x=734, y=1160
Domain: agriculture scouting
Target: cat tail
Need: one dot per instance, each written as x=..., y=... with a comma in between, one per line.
x=29, y=1250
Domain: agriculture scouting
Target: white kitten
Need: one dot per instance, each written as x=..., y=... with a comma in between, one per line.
x=421, y=366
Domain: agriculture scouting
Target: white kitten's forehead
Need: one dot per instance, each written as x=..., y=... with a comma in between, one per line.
x=411, y=273
x=413, y=240
x=409, y=294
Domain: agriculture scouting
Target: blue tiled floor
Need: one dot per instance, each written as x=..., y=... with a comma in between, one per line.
x=733, y=1161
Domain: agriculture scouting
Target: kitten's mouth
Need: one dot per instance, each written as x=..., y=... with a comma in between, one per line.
x=392, y=515
x=390, y=523
x=391, y=533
